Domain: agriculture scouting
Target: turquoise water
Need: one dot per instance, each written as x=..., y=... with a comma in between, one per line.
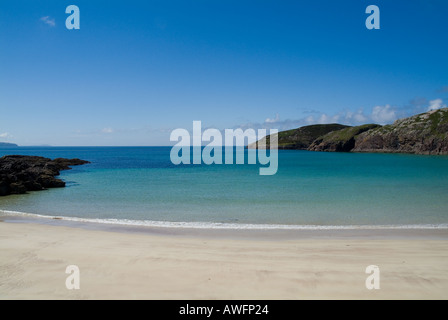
x=310, y=188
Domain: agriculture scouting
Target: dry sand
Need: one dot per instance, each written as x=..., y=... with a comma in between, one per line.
x=124, y=265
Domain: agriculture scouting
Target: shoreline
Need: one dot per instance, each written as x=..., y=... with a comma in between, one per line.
x=261, y=233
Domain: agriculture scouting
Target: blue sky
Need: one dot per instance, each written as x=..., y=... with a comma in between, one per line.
x=138, y=69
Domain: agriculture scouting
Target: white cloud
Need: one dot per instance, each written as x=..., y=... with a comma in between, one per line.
x=274, y=120
x=49, y=21
x=5, y=135
x=324, y=118
x=384, y=114
x=107, y=130
x=346, y=117
x=309, y=120
x=356, y=117
x=436, y=104
x=380, y=114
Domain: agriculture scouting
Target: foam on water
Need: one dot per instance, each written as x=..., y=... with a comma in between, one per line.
x=231, y=226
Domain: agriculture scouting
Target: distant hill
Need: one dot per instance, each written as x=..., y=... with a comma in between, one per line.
x=302, y=137
x=6, y=144
x=341, y=140
x=425, y=133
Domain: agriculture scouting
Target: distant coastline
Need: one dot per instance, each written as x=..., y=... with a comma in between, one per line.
x=7, y=145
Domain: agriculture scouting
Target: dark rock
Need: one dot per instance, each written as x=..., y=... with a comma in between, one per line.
x=50, y=182
x=425, y=133
x=33, y=186
x=17, y=188
x=64, y=164
x=19, y=174
x=4, y=188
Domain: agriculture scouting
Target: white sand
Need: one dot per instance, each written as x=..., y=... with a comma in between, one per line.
x=114, y=265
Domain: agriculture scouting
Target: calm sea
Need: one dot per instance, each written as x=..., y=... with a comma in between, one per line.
x=140, y=185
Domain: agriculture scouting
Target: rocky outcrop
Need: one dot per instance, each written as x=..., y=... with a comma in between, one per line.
x=342, y=140
x=19, y=174
x=425, y=133
x=301, y=138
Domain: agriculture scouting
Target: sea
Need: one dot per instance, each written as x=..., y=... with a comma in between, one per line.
x=311, y=190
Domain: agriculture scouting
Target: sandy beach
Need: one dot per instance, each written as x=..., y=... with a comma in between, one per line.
x=139, y=265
